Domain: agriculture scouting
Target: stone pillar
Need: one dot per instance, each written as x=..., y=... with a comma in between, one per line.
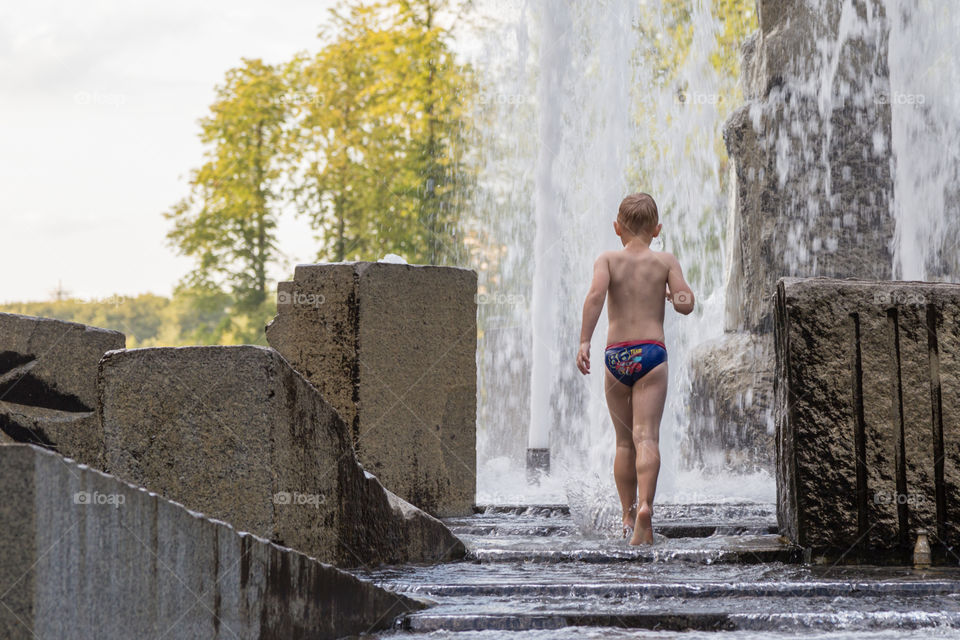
x=393, y=348
x=810, y=153
x=237, y=434
x=868, y=413
x=810, y=161
x=84, y=555
x=48, y=384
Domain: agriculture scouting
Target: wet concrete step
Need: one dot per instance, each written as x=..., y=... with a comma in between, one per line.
x=667, y=530
x=540, y=510
x=540, y=573
x=685, y=621
x=787, y=589
x=742, y=549
x=671, y=521
x=715, y=512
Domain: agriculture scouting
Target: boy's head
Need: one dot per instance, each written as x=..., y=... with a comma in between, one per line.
x=638, y=216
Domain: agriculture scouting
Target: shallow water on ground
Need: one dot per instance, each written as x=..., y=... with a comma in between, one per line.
x=531, y=573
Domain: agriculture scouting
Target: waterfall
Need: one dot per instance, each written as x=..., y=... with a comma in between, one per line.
x=577, y=114
x=580, y=108
x=925, y=108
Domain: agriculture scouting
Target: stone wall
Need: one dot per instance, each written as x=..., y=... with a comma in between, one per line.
x=236, y=433
x=83, y=555
x=48, y=383
x=393, y=349
x=867, y=398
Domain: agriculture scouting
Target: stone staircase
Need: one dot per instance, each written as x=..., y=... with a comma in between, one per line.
x=531, y=573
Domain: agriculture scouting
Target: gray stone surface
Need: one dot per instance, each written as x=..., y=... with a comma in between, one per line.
x=868, y=412
x=48, y=383
x=84, y=555
x=236, y=433
x=393, y=349
x=811, y=163
x=731, y=409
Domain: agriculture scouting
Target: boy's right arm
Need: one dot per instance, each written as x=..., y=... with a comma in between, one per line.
x=680, y=293
x=592, y=307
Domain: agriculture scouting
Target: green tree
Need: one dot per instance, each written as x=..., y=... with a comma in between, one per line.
x=228, y=221
x=341, y=136
x=379, y=133
x=434, y=87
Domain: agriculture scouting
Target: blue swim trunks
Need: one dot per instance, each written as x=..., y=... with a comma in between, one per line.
x=630, y=361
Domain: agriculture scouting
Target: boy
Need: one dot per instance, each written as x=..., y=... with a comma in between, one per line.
x=638, y=280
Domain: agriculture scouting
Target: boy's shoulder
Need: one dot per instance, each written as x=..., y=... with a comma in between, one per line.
x=668, y=258
x=606, y=256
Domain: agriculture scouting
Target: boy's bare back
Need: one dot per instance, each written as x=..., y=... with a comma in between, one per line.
x=636, y=292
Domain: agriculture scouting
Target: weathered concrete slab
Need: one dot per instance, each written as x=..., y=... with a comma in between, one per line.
x=236, y=433
x=48, y=383
x=84, y=555
x=868, y=412
x=731, y=395
x=393, y=348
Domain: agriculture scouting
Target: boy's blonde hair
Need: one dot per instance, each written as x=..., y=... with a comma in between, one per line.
x=638, y=213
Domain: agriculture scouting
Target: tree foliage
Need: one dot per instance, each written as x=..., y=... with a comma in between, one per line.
x=148, y=320
x=379, y=122
x=364, y=138
x=228, y=221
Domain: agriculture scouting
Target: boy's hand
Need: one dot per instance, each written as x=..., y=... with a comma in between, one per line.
x=669, y=295
x=583, y=358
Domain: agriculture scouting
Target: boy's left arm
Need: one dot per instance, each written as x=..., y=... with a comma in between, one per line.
x=592, y=307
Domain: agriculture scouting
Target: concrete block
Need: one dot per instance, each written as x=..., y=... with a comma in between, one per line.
x=393, y=349
x=48, y=383
x=84, y=555
x=867, y=412
x=236, y=433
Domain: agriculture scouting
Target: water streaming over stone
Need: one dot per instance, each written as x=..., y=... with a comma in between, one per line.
x=597, y=120
x=843, y=163
x=578, y=111
x=531, y=573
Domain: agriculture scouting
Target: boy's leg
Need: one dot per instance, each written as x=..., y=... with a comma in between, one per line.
x=649, y=395
x=624, y=463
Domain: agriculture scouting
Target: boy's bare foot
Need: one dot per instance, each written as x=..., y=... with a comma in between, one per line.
x=643, y=530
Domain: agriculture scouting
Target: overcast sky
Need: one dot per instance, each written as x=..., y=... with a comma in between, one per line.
x=98, y=108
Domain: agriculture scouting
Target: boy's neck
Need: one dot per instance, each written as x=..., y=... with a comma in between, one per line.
x=638, y=240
